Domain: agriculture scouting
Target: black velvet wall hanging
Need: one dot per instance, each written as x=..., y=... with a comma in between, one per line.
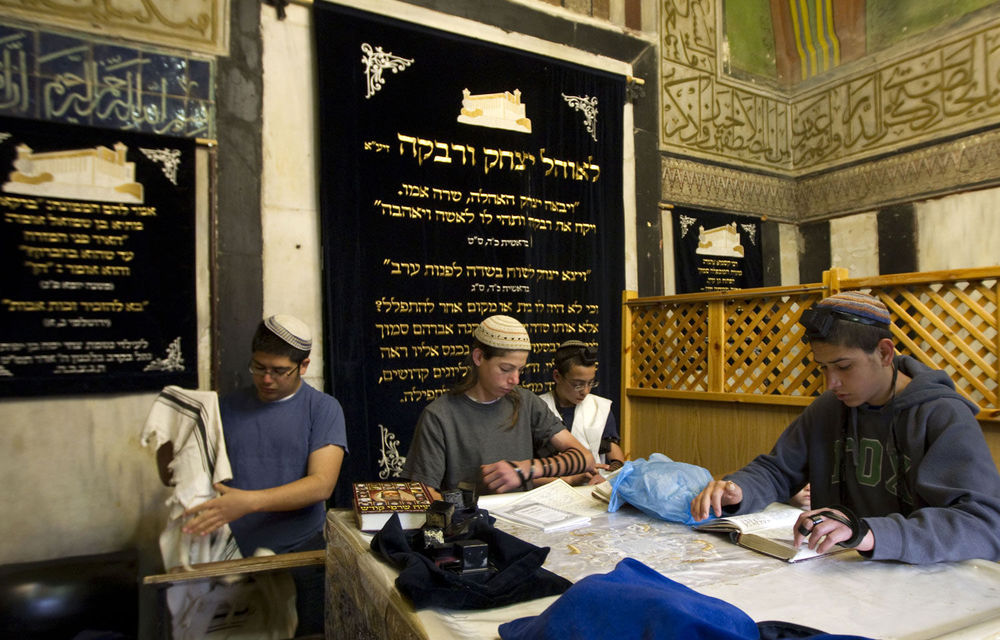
x=716, y=251
x=97, y=251
x=459, y=179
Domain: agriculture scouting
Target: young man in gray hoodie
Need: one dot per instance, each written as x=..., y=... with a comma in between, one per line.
x=897, y=462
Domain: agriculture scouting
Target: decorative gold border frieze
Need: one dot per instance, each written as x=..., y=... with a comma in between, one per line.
x=194, y=25
x=705, y=186
x=957, y=165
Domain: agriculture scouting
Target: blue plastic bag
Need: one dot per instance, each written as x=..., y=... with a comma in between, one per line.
x=659, y=487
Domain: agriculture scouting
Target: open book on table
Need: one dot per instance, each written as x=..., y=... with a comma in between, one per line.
x=551, y=507
x=768, y=531
x=602, y=491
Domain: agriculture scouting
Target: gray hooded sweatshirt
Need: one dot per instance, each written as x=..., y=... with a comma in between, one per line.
x=917, y=470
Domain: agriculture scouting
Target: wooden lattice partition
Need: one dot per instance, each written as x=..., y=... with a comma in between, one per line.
x=747, y=346
x=948, y=320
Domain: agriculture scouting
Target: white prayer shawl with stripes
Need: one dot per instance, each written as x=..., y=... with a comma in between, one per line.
x=190, y=420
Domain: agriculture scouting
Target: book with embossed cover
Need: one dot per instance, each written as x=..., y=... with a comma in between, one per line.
x=375, y=502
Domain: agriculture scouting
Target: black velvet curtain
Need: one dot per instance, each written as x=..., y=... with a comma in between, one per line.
x=459, y=179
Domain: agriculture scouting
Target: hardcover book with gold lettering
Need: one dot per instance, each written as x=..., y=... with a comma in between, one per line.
x=375, y=502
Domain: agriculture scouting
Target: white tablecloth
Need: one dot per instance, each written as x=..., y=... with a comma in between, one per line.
x=842, y=593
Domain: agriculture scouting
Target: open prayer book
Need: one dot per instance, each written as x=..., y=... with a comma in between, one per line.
x=768, y=532
x=551, y=507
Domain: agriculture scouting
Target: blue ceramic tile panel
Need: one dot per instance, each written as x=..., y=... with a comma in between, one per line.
x=165, y=74
x=115, y=113
x=200, y=74
x=17, y=59
x=66, y=79
x=59, y=54
x=174, y=120
x=116, y=59
x=120, y=77
x=200, y=119
x=87, y=80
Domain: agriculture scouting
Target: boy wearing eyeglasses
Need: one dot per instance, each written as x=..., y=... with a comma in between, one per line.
x=286, y=442
x=896, y=462
x=587, y=416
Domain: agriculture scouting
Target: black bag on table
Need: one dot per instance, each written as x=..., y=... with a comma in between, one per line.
x=516, y=573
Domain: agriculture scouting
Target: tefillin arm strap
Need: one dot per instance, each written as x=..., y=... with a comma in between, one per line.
x=564, y=463
x=858, y=527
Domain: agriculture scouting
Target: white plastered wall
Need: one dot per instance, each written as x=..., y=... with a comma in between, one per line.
x=959, y=232
x=667, y=251
x=290, y=221
x=788, y=246
x=854, y=244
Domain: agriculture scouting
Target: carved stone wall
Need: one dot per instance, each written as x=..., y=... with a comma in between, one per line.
x=947, y=167
x=709, y=186
x=867, y=137
x=194, y=25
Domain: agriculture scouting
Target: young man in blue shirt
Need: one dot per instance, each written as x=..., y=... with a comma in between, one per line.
x=286, y=442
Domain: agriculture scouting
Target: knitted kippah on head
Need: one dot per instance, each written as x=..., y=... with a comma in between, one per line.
x=857, y=304
x=291, y=330
x=572, y=343
x=503, y=332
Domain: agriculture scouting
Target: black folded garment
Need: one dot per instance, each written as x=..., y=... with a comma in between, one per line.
x=518, y=574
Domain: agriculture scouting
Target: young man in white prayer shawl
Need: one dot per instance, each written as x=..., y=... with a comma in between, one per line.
x=587, y=416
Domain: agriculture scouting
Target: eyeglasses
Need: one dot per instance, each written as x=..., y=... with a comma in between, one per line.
x=276, y=372
x=580, y=386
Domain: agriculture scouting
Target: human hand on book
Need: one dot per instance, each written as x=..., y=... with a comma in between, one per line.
x=826, y=527
x=715, y=495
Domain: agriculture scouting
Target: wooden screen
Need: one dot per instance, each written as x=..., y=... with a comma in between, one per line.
x=746, y=345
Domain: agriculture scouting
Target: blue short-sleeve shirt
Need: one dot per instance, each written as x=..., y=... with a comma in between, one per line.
x=269, y=444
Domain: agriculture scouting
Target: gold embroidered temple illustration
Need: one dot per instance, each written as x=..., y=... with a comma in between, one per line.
x=720, y=241
x=98, y=173
x=495, y=110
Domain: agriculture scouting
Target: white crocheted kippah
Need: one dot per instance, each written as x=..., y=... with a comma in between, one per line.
x=291, y=330
x=503, y=332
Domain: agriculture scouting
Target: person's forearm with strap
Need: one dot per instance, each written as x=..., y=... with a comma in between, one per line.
x=509, y=475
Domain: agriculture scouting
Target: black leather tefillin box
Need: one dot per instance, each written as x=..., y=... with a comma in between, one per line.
x=451, y=519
